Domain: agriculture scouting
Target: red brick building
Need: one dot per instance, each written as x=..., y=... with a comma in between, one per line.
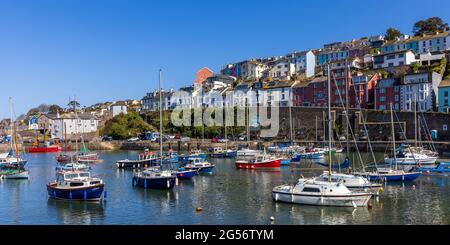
x=203, y=74
x=387, y=92
x=314, y=93
x=362, y=91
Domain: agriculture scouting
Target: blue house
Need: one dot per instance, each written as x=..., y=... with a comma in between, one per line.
x=444, y=96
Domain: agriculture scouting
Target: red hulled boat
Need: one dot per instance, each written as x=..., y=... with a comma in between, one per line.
x=262, y=161
x=45, y=149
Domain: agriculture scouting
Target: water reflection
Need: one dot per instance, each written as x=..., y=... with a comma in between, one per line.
x=83, y=213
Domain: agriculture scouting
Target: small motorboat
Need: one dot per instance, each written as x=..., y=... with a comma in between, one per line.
x=193, y=154
x=320, y=193
x=183, y=173
x=199, y=165
x=441, y=168
x=230, y=154
x=66, y=158
x=146, y=159
x=261, y=161
x=15, y=174
x=411, y=159
x=218, y=152
x=47, y=148
x=155, y=178
x=308, y=156
x=76, y=186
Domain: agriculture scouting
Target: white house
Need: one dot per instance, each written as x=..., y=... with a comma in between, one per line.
x=73, y=125
x=278, y=94
x=118, y=108
x=253, y=70
x=305, y=63
x=434, y=43
x=400, y=58
x=282, y=70
x=422, y=88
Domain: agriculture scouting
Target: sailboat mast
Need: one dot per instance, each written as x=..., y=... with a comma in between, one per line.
x=415, y=120
x=11, y=123
x=329, y=121
x=393, y=134
x=160, y=117
x=291, y=122
x=347, y=105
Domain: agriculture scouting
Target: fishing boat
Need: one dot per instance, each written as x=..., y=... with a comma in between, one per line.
x=47, y=148
x=146, y=159
x=155, y=178
x=441, y=168
x=320, y=193
x=76, y=186
x=261, y=161
x=218, y=152
x=193, y=154
x=200, y=165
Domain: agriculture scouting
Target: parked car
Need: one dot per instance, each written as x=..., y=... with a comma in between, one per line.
x=223, y=140
x=342, y=138
x=107, y=138
x=243, y=138
x=134, y=139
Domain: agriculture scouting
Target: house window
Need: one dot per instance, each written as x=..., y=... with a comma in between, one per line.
x=446, y=93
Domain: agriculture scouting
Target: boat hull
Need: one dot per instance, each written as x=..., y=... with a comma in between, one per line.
x=411, y=162
x=155, y=183
x=406, y=177
x=45, y=149
x=186, y=174
x=138, y=164
x=93, y=193
x=268, y=165
x=17, y=175
x=356, y=200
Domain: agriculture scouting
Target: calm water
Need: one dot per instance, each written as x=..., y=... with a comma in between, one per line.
x=229, y=196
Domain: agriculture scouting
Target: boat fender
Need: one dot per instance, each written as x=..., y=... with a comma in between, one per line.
x=105, y=194
x=85, y=195
x=70, y=195
x=168, y=184
x=54, y=194
x=145, y=184
x=354, y=204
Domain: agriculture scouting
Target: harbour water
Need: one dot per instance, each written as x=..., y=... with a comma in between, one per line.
x=228, y=197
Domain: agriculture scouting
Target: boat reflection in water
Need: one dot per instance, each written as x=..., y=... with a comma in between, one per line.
x=83, y=213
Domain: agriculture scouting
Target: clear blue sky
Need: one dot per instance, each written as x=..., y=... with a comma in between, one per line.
x=112, y=49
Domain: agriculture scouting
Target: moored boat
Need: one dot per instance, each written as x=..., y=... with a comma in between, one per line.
x=146, y=159
x=76, y=186
x=218, y=152
x=183, y=173
x=154, y=178
x=199, y=165
x=390, y=175
x=320, y=193
x=441, y=168
x=261, y=161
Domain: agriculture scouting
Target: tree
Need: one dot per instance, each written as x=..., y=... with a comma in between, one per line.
x=126, y=126
x=429, y=26
x=54, y=109
x=392, y=34
x=74, y=104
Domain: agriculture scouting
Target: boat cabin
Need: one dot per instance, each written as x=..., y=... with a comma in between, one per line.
x=76, y=179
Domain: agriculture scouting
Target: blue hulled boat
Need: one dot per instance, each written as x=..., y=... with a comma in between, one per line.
x=183, y=173
x=441, y=168
x=199, y=165
x=390, y=175
x=146, y=159
x=76, y=186
x=154, y=178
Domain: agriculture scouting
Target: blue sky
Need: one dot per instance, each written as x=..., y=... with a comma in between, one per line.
x=107, y=50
